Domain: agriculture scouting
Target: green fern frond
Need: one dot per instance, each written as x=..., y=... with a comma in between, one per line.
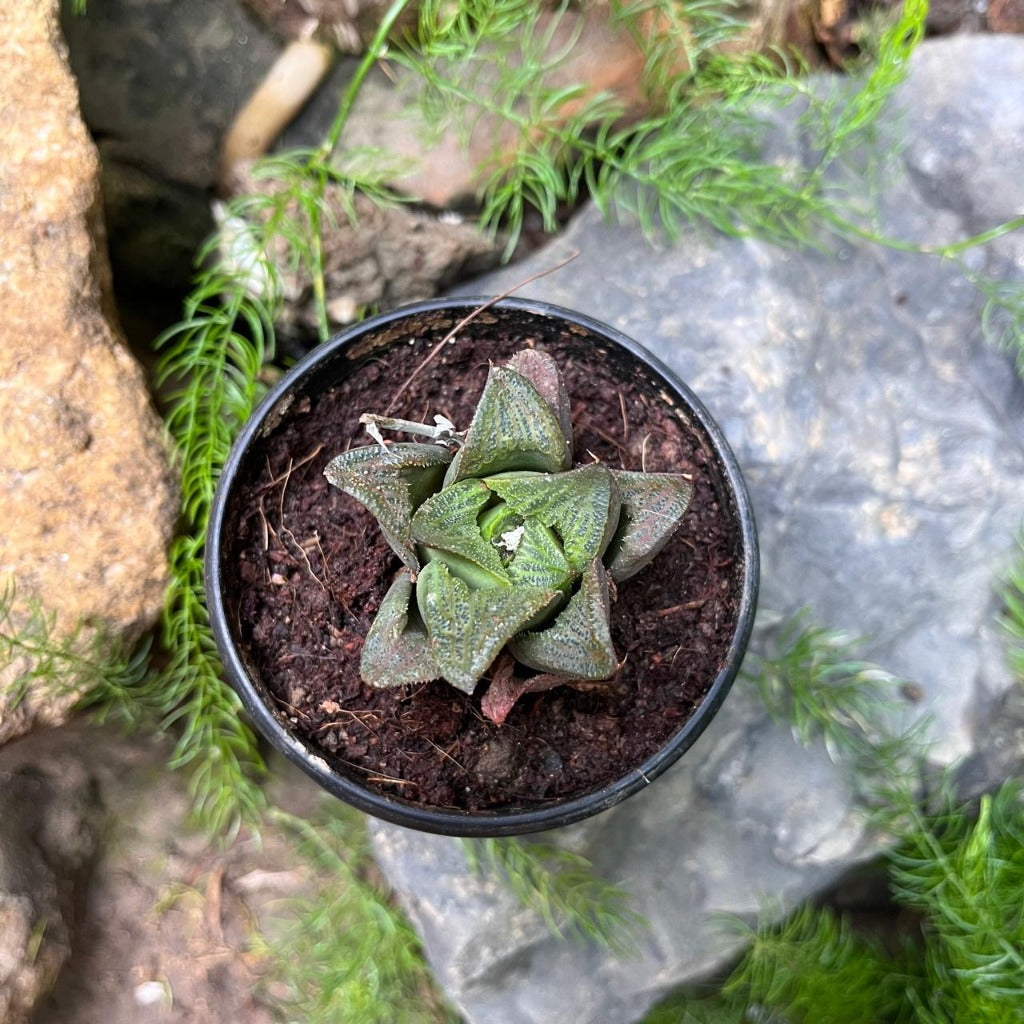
x=813, y=683
x=692, y=160
x=35, y=656
x=345, y=953
x=1003, y=315
x=886, y=70
x=688, y=1008
x=211, y=367
x=960, y=869
x=1013, y=599
x=964, y=872
x=215, y=357
x=697, y=157
x=815, y=967
x=563, y=888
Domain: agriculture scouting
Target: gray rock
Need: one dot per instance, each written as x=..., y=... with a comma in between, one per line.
x=50, y=825
x=882, y=439
x=160, y=81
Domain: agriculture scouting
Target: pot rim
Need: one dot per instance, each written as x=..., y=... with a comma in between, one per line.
x=451, y=821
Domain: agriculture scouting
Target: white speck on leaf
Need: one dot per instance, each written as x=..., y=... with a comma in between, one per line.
x=511, y=538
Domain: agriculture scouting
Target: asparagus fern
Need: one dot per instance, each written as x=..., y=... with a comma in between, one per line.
x=562, y=887
x=345, y=952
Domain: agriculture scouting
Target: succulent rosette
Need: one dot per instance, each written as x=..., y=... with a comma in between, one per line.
x=505, y=545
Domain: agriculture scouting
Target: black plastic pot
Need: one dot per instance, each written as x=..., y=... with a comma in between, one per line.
x=344, y=355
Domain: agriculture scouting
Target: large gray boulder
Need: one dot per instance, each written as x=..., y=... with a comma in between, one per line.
x=882, y=439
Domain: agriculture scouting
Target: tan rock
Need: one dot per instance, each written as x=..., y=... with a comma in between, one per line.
x=1006, y=15
x=382, y=258
x=87, y=501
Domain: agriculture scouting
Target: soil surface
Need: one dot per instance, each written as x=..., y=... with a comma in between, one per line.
x=314, y=569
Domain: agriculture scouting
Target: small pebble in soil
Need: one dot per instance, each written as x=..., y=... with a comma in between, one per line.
x=152, y=993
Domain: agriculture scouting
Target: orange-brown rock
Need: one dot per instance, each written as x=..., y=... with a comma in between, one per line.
x=87, y=500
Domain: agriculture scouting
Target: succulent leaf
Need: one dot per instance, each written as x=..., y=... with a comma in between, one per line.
x=543, y=373
x=496, y=521
x=447, y=527
x=506, y=688
x=539, y=561
x=652, y=508
x=578, y=644
x=392, y=483
x=582, y=506
x=513, y=428
x=396, y=650
x=468, y=628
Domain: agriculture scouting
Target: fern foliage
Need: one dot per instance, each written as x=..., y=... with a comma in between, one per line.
x=700, y=153
x=345, y=953
x=1013, y=614
x=813, y=682
x=694, y=157
x=564, y=888
x=86, y=665
x=963, y=870
x=211, y=365
x=955, y=867
x=815, y=967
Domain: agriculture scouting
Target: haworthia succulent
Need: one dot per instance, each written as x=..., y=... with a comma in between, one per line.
x=506, y=546
x=396, y=650
x=543, y=373
x=652, y=507
x=446, y=527
x=512, y=428
x=582, y=505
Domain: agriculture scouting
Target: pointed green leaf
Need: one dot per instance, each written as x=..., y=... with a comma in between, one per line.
x=396, y=650
x=578, y=644
x=468, y=628
x=538, y=559
x=513, y=428
x=582, y=506
x=447, y=526
x=392, y=483
x=496, y=521
x=543, y=373
x=652, y=507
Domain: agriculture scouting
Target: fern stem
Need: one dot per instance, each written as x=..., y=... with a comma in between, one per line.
x=376, y=49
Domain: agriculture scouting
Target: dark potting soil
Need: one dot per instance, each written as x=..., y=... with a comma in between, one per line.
x=314, y=569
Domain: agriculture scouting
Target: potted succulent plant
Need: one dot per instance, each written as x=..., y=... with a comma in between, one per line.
x=485, y=580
